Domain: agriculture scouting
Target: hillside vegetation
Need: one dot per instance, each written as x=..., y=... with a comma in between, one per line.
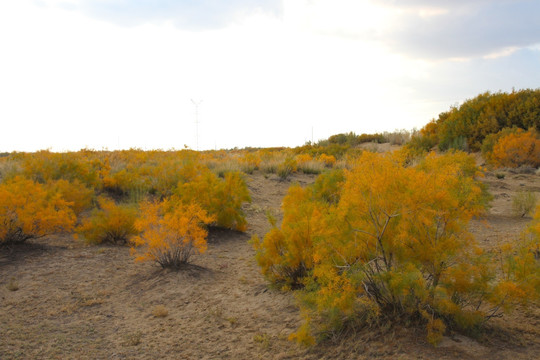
x=466, y=126
x=355, y=234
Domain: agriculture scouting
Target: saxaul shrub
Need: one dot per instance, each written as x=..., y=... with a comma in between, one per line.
x=28, y=210
x=44, y=166
x=75, y=193
x=394, y=245
x=228, y=197
x=170, y=232
x=109, y=223
x=285, y=254
x=221, y=198
x=517, y=149
x=328, y=160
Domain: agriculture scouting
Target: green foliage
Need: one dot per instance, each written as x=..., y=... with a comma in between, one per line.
x=420, y=144
x=327, y=187
x=285, y=253
x=110, y=223
x=352, y=139
x=221, y=198
x=490, y=140
x=488, y=113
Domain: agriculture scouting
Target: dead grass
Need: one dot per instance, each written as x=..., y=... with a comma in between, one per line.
x=160, y=311
x=12, y=285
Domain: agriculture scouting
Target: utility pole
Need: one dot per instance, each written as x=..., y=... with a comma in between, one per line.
x=197, y=103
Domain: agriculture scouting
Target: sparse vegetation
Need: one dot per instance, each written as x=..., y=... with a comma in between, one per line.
x=523, y=203
x=374, y=238
x=110, y=223
x=160, y=311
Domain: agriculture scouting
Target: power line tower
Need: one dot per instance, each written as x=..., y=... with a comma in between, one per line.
x=197, y=103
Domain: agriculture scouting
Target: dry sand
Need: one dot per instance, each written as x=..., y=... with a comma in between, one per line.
x=94, y=302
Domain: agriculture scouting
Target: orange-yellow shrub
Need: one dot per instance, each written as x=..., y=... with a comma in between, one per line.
x=394, y=244
x=250, y=162
x=111, y=223
x=85, y=166
x=220, y=198
x=285, y=255
x=287, y=167
x=328, y=160
x=228, y=198
x=29, y=211
x=301, y=159
x=75, y=193
x=517, y=149
x=170, y=232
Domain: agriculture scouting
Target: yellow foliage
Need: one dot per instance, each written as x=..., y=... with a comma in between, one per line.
x=170, y=232
x=435, y=331
x=394, y=240
x=301, y=159
x=251, y=162
x=517, y=149
x=287, y=167
x=285, y=254
x=110, y=223
x=74, y=192
x=28, y=211
x=220, y=198
x=328, y=160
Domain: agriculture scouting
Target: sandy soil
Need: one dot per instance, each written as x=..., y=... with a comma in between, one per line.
x=60, y=299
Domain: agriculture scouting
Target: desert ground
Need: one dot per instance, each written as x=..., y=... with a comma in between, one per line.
x=62, y=299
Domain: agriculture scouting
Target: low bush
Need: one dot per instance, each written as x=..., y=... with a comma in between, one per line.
x=523, y=203
x=328, y=160
x=28, y=210
x=221, y=198
x=392, y=245
x=286, y=168
x=75, y=193
x=520, y=148
x=109, y=223
x=170, y=232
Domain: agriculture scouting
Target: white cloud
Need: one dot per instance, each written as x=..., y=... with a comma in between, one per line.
x=69, y=79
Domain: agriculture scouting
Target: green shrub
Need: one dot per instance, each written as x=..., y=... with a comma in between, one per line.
x=110, y=223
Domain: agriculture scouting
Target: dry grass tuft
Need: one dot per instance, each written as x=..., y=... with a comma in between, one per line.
x=12, y=285
x=160, y=311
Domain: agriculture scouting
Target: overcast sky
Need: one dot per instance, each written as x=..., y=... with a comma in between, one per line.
x=122, y=73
